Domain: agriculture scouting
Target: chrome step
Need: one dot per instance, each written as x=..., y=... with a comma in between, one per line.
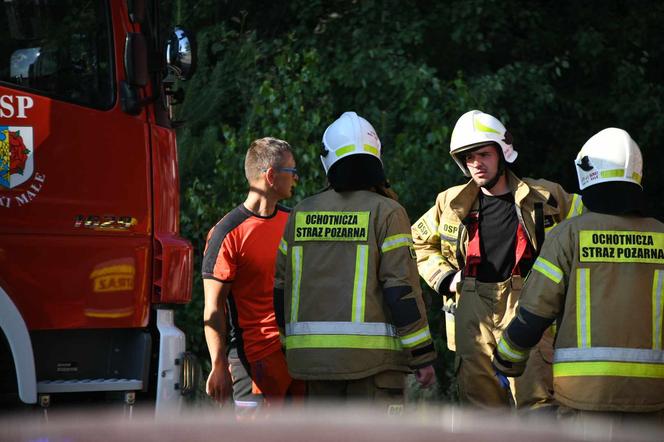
x=82, y=385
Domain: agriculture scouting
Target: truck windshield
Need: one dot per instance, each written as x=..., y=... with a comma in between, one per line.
x=59, y=48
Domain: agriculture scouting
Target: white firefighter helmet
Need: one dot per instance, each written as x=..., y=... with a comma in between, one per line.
x=350, y=134
x=475, y=129
x=609, y=155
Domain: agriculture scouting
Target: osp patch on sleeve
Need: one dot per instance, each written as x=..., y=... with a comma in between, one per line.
x=427, y=226
x=422, y=227
x=449, y=230
x=331, y=226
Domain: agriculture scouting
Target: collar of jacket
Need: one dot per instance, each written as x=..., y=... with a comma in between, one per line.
x=467, y=198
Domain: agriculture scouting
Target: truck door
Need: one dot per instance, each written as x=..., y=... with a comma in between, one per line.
x=75, y=172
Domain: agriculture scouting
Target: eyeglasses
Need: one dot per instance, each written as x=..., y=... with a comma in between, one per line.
x=291, y=170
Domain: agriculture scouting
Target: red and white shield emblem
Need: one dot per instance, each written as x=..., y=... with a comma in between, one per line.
x=16, y=155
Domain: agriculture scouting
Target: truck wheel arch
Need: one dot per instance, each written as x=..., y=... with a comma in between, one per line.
x=15, y=330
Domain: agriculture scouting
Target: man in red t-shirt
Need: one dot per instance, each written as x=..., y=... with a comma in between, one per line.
x=238, y=279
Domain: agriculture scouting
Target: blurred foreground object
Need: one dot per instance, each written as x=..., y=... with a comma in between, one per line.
x=320, y=424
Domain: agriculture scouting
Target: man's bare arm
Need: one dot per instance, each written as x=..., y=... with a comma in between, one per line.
x=214, y=319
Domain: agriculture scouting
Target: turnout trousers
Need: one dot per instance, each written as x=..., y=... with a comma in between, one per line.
x=483, y=312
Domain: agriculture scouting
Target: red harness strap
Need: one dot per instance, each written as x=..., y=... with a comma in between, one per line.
x=524, y=251
x=473, y=255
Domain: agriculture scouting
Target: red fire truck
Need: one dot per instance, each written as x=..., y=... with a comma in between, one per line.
x=91, y=261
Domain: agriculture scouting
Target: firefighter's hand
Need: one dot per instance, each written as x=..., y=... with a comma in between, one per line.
x=219, y=384
x=455, y=280
x=426, y=376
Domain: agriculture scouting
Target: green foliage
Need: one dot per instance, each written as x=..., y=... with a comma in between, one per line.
x=555, y=73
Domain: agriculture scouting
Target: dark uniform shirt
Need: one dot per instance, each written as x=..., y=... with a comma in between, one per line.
x=498, y=226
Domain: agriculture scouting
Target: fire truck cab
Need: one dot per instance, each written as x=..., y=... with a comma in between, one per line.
x=91, y=261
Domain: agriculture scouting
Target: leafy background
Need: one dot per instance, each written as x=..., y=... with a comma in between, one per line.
x=554, y=73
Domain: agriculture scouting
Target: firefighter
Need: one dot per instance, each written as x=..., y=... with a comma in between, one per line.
x=347, y=294
x=475, y=246
x=600, y=277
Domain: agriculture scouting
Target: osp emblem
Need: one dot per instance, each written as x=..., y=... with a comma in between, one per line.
x=17, y=167
x=16, y=155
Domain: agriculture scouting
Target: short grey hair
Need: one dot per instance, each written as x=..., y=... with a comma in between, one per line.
x=264, y=153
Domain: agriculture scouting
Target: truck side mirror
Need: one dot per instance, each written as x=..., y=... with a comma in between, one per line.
x=136, y=10
x=136, y=72
x=181, y=53
x=136, y=59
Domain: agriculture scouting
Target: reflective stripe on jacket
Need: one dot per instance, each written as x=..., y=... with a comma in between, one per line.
x=352, y=302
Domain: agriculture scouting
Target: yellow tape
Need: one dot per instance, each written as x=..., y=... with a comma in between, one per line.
x=343, y=341
x=625, y=369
